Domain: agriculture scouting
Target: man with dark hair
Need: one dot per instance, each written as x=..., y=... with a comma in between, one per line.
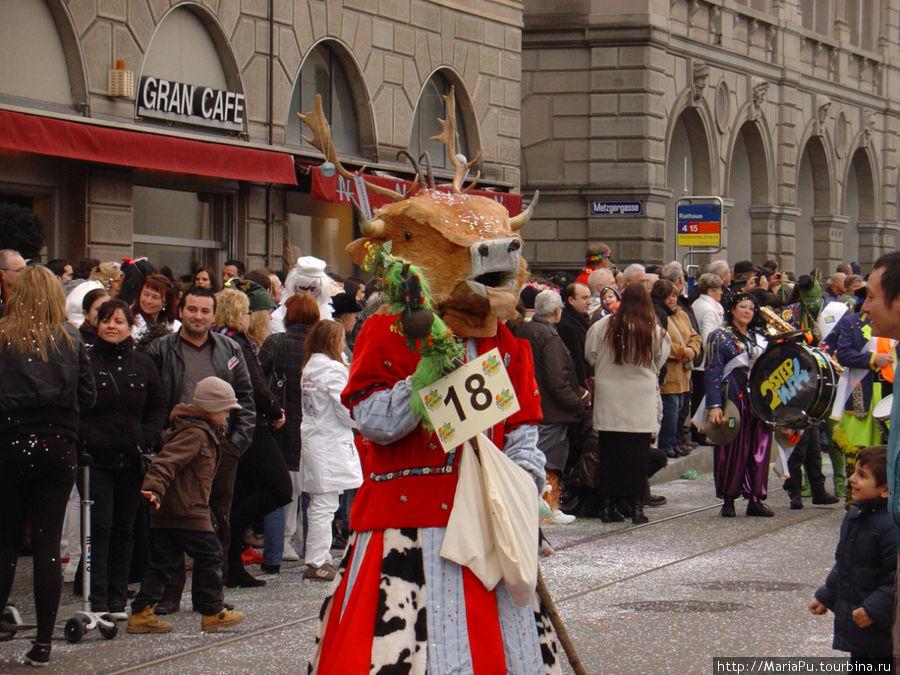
x=183, y=360
x=883, y=307
x=61, y=268
x=232, y=268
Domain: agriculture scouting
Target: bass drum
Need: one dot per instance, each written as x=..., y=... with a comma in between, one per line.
x=792, y=385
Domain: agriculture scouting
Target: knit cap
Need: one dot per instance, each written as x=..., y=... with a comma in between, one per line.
x=214, y=394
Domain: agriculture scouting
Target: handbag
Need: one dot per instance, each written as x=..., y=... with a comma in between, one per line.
x=495, y=535
x=277, y=383
x=145, y=455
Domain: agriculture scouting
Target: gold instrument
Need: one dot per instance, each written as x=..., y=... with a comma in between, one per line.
x=777, y=326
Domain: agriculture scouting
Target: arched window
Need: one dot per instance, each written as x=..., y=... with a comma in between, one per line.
x=425, y=123
x=323, y=73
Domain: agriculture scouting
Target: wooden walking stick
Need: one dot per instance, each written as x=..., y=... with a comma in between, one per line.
x=559, y=626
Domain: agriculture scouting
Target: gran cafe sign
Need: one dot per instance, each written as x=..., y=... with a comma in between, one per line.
x=190, y=104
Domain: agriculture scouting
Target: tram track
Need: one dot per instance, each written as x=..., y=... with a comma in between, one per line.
x=277, y=627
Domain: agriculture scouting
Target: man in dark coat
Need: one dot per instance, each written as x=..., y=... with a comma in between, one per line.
x=563, y=401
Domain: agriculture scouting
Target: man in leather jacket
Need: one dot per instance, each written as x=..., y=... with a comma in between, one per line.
x=184, y=358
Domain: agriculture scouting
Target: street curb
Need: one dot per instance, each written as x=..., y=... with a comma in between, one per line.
x=700, y=460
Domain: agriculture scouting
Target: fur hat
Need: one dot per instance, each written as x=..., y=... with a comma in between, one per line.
x=344, y=304
x=214, y=394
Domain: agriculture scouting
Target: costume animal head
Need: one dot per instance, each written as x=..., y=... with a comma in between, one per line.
x=466, y=246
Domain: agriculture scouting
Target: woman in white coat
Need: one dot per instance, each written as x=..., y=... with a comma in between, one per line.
x=329, y=463
x=626, y=350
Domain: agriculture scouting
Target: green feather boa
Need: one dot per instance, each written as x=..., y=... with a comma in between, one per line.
x=440, y=351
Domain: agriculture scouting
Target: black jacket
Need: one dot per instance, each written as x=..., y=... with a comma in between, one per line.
x=573, y=328
x=130, y=410
x=229, y=364
x=283, y=353
x=267, y=409
x=863, y=576
x=554, y=371
x=46, y=397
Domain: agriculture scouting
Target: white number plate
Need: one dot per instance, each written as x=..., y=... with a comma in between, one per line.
x=471, y=399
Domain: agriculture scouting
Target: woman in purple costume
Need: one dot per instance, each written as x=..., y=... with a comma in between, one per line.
x=741, y=468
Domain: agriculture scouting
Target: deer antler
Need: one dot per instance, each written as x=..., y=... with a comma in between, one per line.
x=321, y=140
x=448, y=138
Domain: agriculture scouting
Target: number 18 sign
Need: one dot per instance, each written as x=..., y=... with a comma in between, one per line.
x=472, y=398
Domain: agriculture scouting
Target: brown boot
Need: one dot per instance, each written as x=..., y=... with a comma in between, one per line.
x=146, y=621
x=221, y=619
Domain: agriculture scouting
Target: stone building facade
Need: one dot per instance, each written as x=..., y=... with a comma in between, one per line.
x=787, y=109
x=160, y=171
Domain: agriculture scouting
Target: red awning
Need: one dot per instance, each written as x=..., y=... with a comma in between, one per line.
x=94, y=143
x=337, y=189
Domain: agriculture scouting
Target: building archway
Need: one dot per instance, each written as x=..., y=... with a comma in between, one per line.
x=689, y=164
x=859, y=203
x=814, y=190
x=330, y=70
x=748, y=166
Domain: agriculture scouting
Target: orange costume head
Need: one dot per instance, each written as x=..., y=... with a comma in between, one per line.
x=467, y=246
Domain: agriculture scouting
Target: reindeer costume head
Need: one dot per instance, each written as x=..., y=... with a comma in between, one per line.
x=467, y=246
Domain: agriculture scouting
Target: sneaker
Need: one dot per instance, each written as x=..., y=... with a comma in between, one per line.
x=289, y=554
x=326, y=572
x=560, y=518
x=251, y=557
x=38, y=655
x=146, y=621
x=212, y=622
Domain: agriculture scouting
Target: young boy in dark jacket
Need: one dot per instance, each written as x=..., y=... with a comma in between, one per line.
x=860, y=587
x=178, y=485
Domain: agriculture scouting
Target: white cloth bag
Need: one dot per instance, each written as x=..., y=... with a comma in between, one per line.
x=493, y=526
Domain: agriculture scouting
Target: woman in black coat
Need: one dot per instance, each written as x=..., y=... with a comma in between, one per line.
x=262, y=483
x=129, y=415
x=281, y=358
x=45, y=382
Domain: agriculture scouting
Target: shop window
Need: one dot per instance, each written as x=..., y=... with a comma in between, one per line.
x=816, y=15
x=181, y=229
x=861, y=22
x=323, y=73
x=431, y=107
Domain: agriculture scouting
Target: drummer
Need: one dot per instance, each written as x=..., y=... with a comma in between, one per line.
x=741, y=467
x=868, y=361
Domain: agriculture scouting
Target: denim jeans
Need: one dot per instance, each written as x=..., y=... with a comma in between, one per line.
x=668, y=428
x=273, y=537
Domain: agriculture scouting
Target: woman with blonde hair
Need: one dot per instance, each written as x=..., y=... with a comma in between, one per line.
x=45, y=381
x=262, y=483
x=329, y=463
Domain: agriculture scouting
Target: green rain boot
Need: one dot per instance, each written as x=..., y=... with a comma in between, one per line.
x=837, y=465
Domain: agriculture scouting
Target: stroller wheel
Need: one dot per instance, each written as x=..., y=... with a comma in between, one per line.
x=108, y=632
x=74, y=630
